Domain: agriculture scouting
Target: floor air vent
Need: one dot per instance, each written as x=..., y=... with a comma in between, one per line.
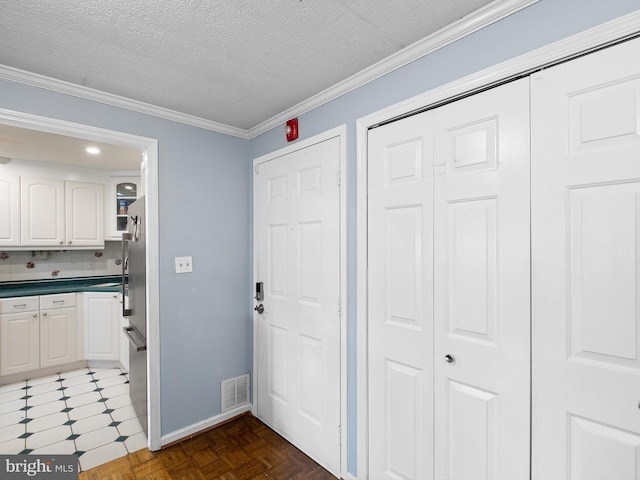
x=234, y=392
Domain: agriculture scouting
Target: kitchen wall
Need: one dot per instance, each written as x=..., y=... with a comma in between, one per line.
x=46, y=265
x=538, y=25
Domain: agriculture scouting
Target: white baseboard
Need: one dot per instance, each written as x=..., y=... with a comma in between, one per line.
x=203, y=425
x=348, y=476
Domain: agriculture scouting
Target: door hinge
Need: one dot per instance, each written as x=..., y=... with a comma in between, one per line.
x=257, y=169
x=339, y=305
x=339, y=177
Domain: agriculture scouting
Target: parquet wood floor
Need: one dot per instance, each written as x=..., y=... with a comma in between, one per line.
x=243, y=449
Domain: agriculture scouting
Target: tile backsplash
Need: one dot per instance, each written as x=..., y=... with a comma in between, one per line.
x=40, y=265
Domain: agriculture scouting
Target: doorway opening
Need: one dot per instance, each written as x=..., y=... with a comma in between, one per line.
x=148, y=149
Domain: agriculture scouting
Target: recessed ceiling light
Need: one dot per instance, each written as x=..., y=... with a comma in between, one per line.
x=93, y=150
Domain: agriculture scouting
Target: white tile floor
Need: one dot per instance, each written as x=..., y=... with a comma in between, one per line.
x=85, y=412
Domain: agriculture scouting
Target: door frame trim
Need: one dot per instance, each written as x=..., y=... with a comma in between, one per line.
x=149, y=177
x=340, y=133
x=601, y=35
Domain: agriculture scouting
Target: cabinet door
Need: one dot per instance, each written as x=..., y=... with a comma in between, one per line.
x=123, y=192
x=58, y=336
x=42, y=212
x=100, y=327
x=9, y=211
x=84, y=214
x=19, y=342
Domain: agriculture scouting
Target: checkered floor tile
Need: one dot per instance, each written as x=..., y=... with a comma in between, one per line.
x=86, y=412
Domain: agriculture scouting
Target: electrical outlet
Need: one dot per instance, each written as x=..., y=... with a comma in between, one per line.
x=40, y=255
x=184, y=264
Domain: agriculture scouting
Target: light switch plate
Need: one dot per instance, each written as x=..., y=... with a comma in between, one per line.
x=184, y=264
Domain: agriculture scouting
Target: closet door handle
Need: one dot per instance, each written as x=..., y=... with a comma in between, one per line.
x=449, y=358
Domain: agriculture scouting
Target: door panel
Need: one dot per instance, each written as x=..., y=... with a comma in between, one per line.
x=400, y=285
x=602, y=451
x=586, y=282
x=472, y=259
x=472, y=431
x=297, y=203
x=482, y=307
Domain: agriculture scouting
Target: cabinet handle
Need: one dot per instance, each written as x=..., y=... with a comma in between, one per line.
x=35, y=315
x=61, y=243
x=44, y=314
x=58, y=301
x=70, y=242
x=21, y=305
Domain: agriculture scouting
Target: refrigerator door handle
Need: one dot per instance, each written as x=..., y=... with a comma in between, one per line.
x=126, y=312
x=131, y=334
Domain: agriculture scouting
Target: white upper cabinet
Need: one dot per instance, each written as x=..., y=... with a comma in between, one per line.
x=84, y=214
x=42, y=212
x=123, y=192
x=55, y=213
x=9, y=211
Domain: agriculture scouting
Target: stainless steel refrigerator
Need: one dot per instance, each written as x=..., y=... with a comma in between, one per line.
x=134, y=306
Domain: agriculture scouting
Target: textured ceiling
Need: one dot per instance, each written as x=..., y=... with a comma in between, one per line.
x=234, y=62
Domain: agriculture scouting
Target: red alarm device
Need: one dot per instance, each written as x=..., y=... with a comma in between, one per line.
x=291, y=129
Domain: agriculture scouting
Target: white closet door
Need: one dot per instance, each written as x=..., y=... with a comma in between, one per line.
x=586, y=267
x=400, y=324
x=480, y=146
x=482, y=291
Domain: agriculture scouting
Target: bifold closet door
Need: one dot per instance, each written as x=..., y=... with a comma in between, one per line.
x=400, y=326
x=482, y=286
x=586, y=267
x=463, y=413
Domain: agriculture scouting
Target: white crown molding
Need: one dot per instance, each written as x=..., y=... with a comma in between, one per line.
x=473, y=22
x=60, y=86
x=569, y=47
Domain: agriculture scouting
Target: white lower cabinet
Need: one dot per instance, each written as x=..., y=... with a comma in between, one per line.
x=101, y=326
x=19, y=342
x=37, y=332
x=58, y=336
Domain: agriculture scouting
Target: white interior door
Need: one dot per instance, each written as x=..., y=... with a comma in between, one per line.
x=482, y=290
x=297, y=235
x=468, y=418
x=400, y=292
x=586, y=267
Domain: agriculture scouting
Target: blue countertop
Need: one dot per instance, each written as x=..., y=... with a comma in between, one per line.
x=110, y=283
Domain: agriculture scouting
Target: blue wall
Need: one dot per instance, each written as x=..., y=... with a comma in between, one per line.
x=205, y=200
x=538, y=25
x=204, y=194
